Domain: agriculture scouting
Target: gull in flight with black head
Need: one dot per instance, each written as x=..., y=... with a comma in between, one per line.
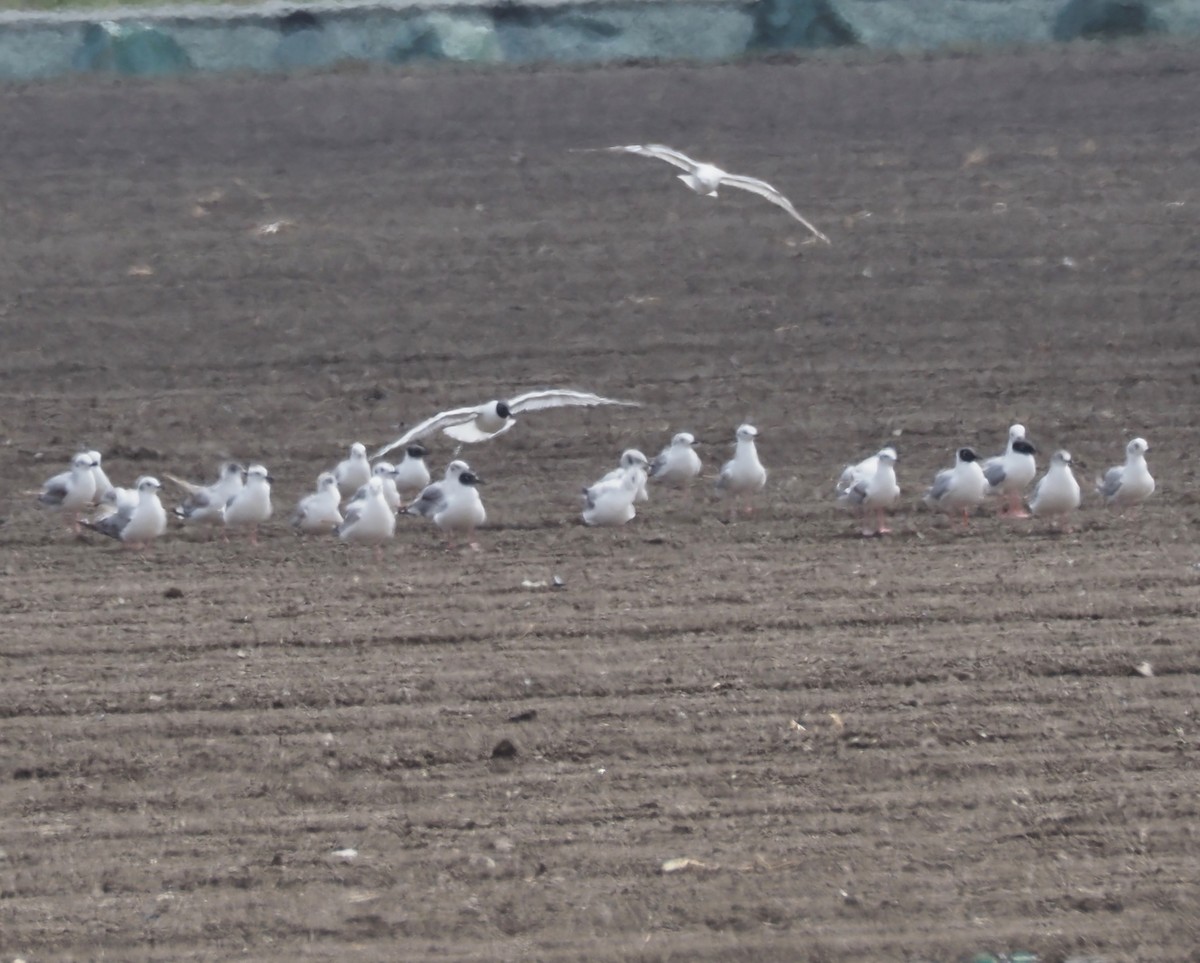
x=706, y=179
x=478, y=423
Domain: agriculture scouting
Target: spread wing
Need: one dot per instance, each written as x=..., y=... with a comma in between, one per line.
x=444, y=419
x=763, y=189
x=657, y=151
x=561, y=398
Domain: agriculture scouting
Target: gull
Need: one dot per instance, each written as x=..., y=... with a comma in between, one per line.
x=863, y=470
x=354, y=471
x=117, y=499
x=103, y=485
x=319, y=512
x=1057, y=492
x=71, y=491
x=958, y=489
x=137, y=525
x=251, y=506
x=633, y=464
x=706, y=178
x=875, y=492
x=412, y=474
x=205, y=504
x=1130, y=484
x=369, y=519
x=611, y=503
x=677, y=464
x=453, y=504
x=1010, y=474
x=484, y=422
x=385, y=471
x=742, y=475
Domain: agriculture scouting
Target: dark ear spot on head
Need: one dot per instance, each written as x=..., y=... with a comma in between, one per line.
x=967, y=454
x=468, y=478
x=1024, y=447
x=416, y=451
x=503, y=410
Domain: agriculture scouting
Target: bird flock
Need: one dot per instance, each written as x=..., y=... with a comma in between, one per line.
x=359, y=501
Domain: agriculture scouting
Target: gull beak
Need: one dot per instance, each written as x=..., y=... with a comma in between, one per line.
x=271, y=479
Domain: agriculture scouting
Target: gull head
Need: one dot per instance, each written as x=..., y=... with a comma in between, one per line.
x=83, y=461
x=415, y=451
x=358, y=450
x=95, y=457
x=888, y=455
x=231, y=468
x=747, y=433
x=632, y=458
x=326, y=481
x=502, y=409
x=1062, y=457
x=469, y=478
x=1016, y=432
x=375, y=485
x=1023, y=447
x=685, y=439
x=1139, y=446
x=258, y=473
x=148, y=483
x=383, y=468
x=967, y=455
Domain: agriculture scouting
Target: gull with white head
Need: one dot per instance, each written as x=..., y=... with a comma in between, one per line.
x=871, y=489
x=319, y=512
x=478, y=423
x=71, y=491
x=706, y=179
x=354, y=471
x=1008, y=475
x=251, y=506
x=958, y=489
x=633, y=464
x=1056, y=494
x=136, y=526
x=677, y=465
x=369, y=519
x=205, y=504
x=743, y=475
x=1128, y=485
x=103, y=485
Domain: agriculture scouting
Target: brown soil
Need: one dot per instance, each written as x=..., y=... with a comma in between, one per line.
x=922, y=747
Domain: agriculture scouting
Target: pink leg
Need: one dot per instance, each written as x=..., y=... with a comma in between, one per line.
x=881, y=526
x=1015, y=508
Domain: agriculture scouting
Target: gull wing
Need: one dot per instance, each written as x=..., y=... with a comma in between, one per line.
x=993, y=471
x=429, y=502
x=110, y=525
x=1110, y=484
x=659, y=152
x=444, y=419
x=562, y=398
x=469, y=433
x=763, y=189
x=55, y=490
x=190, y=487
x=941, y=485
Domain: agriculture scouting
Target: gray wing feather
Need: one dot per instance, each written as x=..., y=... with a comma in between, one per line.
x=941, y=485
x=1110, y=484
x=994, y=473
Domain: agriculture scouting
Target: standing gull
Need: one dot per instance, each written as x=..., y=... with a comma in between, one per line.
x=1128, y=485
x=452, y=504
x=483, y=422
x=205, y=504
x=1057, y=492
x=1008, y=475
x=136, y=526
x=611, y=503
x=354, y=471
x=958, y=489
x=251, y=506
x=369, y=519
x=103, y=485
x=71, y=491
x=743, y=474
x=873, y=492
x=385, y=471
x=412, y=474
x=707, y=178
x=319, y=512
x=677, y=464
x=633, y=464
